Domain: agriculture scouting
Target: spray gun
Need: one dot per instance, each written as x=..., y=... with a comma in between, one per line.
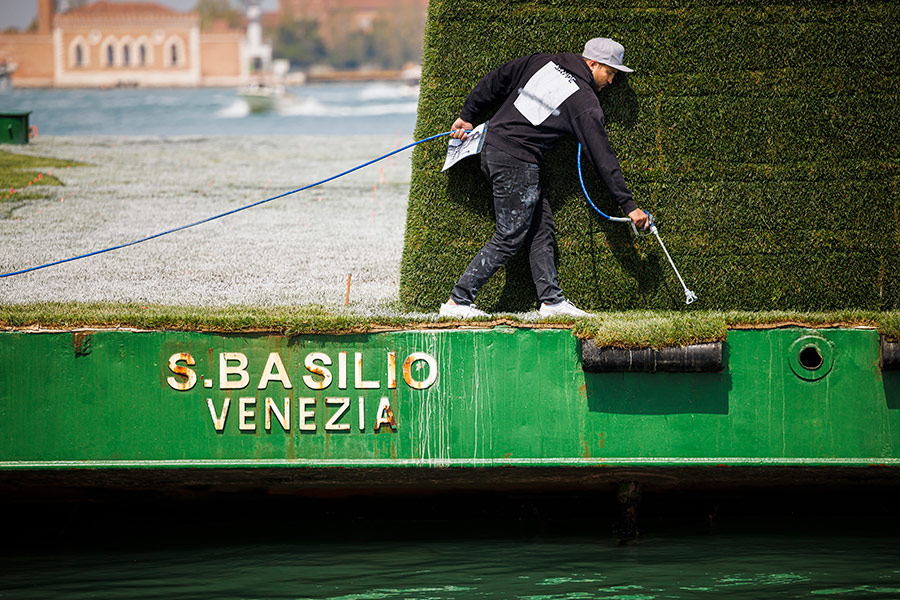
x=650, y=230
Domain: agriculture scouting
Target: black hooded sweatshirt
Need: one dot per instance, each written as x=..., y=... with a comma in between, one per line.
x=546, y=97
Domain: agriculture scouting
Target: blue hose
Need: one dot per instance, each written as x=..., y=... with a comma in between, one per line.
x=224, y=214
x=588, y=196
x=651, y=230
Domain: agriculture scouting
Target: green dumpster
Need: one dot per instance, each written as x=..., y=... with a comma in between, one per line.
x=14, y=127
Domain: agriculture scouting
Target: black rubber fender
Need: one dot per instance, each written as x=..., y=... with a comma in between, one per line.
x=890, y=355
x=696, y=358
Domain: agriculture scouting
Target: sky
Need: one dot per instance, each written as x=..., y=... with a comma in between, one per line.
x=20, y=13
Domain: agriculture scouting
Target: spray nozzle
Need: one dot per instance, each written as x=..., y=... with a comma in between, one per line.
x=651, y=226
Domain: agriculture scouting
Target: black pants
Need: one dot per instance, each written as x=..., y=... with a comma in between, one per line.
x=523, y=219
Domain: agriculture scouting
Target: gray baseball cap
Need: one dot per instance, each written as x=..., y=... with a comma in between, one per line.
x=606, y=52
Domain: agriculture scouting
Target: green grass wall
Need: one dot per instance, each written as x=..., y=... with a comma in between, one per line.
x=764, y=137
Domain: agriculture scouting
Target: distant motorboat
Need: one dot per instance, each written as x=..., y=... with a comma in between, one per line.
x=7, y=69
x=411, y=77
x=408, y=90
x=264, y=97
x=411, y=74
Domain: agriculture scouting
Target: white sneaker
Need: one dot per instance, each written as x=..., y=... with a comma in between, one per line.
x=562, y=309
x=460, y=311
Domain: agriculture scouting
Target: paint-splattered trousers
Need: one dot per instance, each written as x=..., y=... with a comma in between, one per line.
x=523, y=219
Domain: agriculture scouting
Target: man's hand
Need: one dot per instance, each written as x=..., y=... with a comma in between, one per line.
x=460, y=128
x=640, y=219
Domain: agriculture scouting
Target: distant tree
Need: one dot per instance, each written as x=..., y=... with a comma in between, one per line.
x=398, y=37
x=299, y=42
x=393, y=38
x=353, y=50
x=211, y=11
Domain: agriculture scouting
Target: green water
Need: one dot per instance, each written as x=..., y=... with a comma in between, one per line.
x=450, y=548
x=739, y=566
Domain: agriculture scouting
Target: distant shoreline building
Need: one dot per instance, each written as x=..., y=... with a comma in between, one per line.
x=336, y=18
x=355, y=14
x=110, y=44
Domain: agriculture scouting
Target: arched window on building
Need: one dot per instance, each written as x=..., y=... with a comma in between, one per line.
x=143, y=52
x=108, y=52
x=174, y=53
x=78, y=53
x=126, y=51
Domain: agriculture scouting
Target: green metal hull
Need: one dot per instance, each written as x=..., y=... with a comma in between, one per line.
x=474, y=398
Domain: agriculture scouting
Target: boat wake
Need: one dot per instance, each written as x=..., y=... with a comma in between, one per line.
x=309, y=107
x=387, y=91
x=346, y=108
x=236, y=110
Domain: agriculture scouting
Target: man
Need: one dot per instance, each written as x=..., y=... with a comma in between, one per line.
x=544, y=97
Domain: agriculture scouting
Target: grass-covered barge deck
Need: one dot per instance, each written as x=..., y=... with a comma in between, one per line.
x=480, y=407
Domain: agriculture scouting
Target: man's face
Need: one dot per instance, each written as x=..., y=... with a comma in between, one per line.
x=603, y=74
